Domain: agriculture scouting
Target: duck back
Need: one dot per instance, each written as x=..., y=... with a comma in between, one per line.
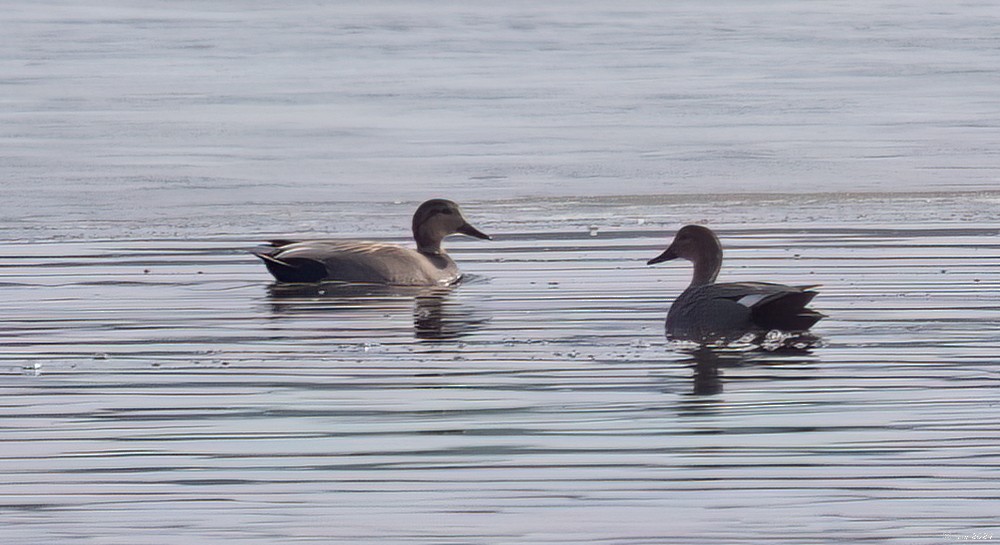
x=729, y=311
x=357, y=261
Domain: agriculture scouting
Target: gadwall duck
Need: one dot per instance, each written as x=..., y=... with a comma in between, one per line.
x=707, y=311
x=374, y=262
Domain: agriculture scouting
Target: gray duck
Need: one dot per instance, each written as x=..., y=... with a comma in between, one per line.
x=376, y=262
x=707, y=311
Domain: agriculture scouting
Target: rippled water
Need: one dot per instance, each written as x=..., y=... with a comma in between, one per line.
x=167, y=388
x=158, y=389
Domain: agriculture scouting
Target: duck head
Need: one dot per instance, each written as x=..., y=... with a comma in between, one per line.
x=700, y=246
x=438, y=218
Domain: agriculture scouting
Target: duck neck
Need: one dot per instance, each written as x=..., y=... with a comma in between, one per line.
x=706, y=267
x=427, y=242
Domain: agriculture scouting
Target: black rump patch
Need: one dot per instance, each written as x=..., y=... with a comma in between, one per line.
x=295, y=269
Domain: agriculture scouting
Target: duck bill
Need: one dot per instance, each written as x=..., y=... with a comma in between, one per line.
x=468, y=229
x=667, y=255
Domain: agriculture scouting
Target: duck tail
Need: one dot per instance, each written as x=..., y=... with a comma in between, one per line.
x=787, y=312
x=292, y=270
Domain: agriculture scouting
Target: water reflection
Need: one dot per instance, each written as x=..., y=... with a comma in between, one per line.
x=437, y=313
x=708, y=363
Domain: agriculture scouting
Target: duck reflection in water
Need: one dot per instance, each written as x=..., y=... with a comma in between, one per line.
x=709, y=364
x=436, y=314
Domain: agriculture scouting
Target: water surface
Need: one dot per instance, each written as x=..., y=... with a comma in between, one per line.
x=167, y=388
x=158, y=389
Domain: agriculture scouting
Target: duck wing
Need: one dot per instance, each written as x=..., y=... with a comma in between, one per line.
x=773, y=306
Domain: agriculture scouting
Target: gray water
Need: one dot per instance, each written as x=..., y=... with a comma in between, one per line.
x=159, y=389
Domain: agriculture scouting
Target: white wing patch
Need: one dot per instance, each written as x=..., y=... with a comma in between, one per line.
x=750, y=300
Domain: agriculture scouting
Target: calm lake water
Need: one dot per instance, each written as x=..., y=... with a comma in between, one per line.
x=157, y=388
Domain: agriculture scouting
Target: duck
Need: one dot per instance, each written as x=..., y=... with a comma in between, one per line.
x=375, y=262
x=707, y=312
